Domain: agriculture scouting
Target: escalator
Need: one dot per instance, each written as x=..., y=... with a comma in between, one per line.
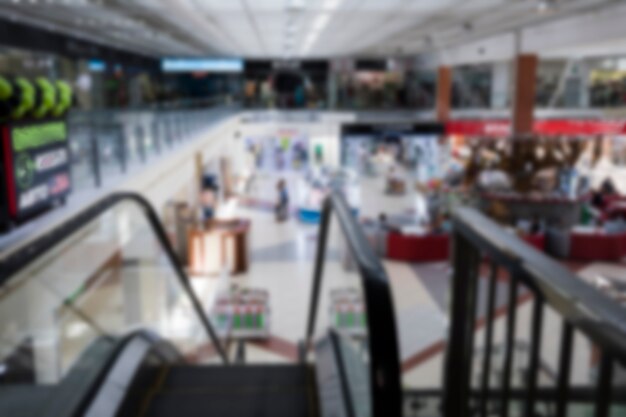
x=98, y=318
x=140, y=375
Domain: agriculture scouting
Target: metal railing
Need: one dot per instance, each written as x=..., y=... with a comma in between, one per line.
x=106, y=144
x=582, y=308
x=384, y=360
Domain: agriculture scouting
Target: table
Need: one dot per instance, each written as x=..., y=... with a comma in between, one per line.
x=592, y=244
x=418, y=248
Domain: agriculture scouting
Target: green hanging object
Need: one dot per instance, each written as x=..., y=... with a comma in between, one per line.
x=259, y=320
x=6, y=95
x=6, y=89
x=236, y=320
x=64, y=98
x=46, y=98
x=24, y=93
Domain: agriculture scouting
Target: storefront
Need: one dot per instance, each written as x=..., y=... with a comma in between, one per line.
x=282, y=150
x=373, y=149
x=611, y=133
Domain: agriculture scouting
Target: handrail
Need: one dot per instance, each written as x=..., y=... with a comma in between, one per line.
x=585, y=307
x=381, y=324
x=91, y=370
x=20, y=259
x=477, y=241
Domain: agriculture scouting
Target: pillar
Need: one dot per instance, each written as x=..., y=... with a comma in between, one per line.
x=524, y=94
x=444, y=93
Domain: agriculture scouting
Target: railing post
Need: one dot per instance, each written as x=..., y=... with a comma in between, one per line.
x=95, y=155
x=458, y=365
x=141, y=142
x=121, y=137
x=156, y=138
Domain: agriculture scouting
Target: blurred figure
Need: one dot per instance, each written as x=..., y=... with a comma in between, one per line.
x=299, y=96
x=282, y=206
x=607, y=188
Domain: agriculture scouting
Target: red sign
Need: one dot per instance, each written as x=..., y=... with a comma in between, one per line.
x=552, y=127
x=493, y=128
x=580, y=127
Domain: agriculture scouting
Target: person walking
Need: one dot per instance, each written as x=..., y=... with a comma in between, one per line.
x=282, y=207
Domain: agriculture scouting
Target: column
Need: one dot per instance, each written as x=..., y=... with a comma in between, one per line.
x=444, y=93
x=524, y=94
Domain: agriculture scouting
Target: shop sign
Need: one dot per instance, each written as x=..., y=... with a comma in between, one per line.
x=492, y=128
x=551, y=127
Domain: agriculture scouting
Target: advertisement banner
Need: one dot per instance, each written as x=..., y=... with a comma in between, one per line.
x=547, y=127
x=37, y=165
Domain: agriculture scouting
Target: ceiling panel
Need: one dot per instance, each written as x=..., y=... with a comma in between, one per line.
x=276, y=28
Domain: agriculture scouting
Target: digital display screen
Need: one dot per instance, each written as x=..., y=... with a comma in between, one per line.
x=95, y=65
x=37, y=165
x=200, y=64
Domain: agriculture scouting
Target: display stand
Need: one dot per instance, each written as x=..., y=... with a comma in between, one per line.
x=222, y=244
x=347, y=313
x=234, y=245
x=315, y=188
x=555, y=210
x=242, y=314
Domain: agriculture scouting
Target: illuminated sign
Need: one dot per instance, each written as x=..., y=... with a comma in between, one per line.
x=95, y=65
x=38, y=135
x=36, y=165
x=201, y=65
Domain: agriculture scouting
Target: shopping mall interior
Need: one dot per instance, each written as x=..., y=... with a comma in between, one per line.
x=312, y=208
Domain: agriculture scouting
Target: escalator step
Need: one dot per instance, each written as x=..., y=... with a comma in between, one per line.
x=242, y=402
x=235, y=376
x=236, y=390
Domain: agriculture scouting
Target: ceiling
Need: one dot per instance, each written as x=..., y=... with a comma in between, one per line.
x=290, y=28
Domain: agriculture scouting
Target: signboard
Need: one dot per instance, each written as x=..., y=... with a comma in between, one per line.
x=222, y=65
x=36, y=165
x=548, y=127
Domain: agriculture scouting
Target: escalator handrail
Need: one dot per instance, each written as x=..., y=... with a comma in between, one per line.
x=23, y=257
x=91, y=372
x=382, y=338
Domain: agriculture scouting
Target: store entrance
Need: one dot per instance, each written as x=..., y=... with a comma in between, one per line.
x=284, y=151
x=374, y=150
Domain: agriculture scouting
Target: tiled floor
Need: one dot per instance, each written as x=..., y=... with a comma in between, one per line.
x=282, y=262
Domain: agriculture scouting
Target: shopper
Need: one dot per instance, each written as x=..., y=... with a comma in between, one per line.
x=282, y=207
